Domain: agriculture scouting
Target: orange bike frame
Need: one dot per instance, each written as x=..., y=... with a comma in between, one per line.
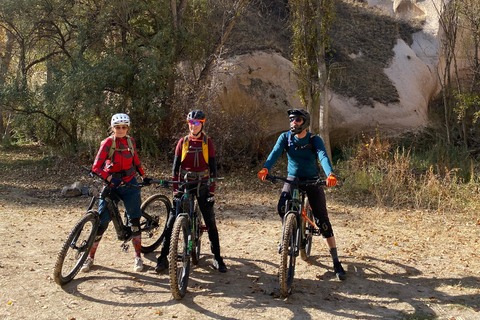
x=304, y=215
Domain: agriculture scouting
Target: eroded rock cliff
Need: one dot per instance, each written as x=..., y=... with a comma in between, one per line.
x=385, y=55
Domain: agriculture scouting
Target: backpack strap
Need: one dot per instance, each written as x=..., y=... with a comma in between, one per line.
x=130, y=145
x=205, y=148
x=130, y=148
x=310, y=145
x=186, y=148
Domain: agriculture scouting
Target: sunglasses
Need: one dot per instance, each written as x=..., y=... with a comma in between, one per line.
x=195, y=122
x=121, y=127
x=296, y=119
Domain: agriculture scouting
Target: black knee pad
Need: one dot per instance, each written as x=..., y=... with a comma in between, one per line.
x=134, y=224
x=281, y=203
x=325, y=228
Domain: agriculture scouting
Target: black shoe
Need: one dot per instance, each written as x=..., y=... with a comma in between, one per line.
x=219, y=265
x=162, y=264
x=339, y=272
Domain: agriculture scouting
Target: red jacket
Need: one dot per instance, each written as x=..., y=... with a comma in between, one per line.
x=121, y=161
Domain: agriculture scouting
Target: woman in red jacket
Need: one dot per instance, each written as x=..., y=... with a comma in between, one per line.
x=119, y=166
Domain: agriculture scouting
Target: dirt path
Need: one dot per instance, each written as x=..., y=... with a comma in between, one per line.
x=400, y=265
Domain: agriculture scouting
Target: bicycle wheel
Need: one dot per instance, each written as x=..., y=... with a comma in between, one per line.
x=179, y=258
x=76, y=247
x=197, y=241
x=155, y=211
x=287, y=260
x=308, y=230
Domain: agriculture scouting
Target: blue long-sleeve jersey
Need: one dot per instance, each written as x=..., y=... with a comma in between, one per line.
x=302, y=163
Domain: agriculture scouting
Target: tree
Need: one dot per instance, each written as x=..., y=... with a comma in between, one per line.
x=6, y=45
x=469, y=11
x=311, y=20
x=468, y=100
x=460, y=21
x=68, y=65
x=448, y=18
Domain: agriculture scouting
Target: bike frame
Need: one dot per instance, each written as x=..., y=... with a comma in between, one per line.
x=296, y=206
x=81, y=237
x=294, y=237
x=187, y=196
x=109, y=197
x=191, y=214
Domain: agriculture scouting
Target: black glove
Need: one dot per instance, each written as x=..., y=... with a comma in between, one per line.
x=115, y=182
x=177, y=197
x=211, y=198
x=147, y=181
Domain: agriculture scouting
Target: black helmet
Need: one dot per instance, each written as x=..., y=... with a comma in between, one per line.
x=196, y=115
x=299, y=113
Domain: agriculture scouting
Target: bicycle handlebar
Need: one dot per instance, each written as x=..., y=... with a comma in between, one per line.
x=311, y=182
x=94, y=175
x=167, y=183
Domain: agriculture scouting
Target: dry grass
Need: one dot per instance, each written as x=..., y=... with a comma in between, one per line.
x=379, y=170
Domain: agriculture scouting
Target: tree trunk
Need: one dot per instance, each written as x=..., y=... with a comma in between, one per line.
x=5, y=61
x=324, y=130
x=323, y=115
x=313, y=105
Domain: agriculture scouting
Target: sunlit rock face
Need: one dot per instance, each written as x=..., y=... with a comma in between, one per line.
x=262, y=82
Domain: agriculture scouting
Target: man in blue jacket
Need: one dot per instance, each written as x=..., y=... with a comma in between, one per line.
x=303, y=150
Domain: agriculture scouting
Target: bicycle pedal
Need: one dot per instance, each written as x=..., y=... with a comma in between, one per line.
x=125, y=247
x=316, y=232
x=204, y=228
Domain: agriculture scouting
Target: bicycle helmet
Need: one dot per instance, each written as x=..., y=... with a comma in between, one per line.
x=196, y=115
x=119, y=119
x=299, y=113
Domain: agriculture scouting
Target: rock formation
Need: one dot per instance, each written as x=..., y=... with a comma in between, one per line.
x=264, y=80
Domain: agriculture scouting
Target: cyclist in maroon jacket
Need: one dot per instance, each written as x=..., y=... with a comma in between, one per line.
x=194, y=160
x=117, y=162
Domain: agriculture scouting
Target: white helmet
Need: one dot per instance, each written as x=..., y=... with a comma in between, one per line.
x=120, y=118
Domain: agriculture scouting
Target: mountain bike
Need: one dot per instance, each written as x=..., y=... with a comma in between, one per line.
x=298, y=231
x=77, y=246
x=187, y=232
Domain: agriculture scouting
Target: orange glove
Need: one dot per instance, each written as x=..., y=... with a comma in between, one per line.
x=331, y=180
x=262, y=174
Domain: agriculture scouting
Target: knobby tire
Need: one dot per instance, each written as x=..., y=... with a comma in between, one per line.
x=287, y=258
x=179, y=258
x=76, y=247
x=155, y=211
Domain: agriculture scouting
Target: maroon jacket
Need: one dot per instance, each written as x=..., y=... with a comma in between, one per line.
x=195, y=163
